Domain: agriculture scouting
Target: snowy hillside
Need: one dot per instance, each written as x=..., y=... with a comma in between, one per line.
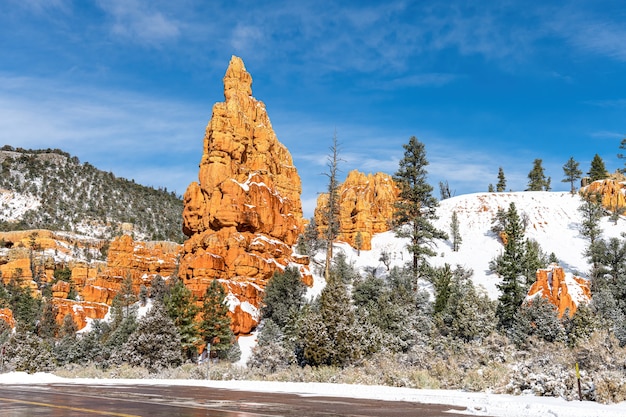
x=553, y=221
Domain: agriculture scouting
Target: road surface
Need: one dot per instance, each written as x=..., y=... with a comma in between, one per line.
x=69, y=400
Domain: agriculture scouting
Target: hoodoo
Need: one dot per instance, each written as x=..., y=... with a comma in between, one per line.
x=244, y=214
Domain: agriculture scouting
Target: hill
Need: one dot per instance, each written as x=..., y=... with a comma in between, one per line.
x=50, y=189
x=552, y=219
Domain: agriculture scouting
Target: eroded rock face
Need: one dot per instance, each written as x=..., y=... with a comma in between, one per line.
x=611, y=192
x=563, y=290
x=244, y=214
x=366, y=205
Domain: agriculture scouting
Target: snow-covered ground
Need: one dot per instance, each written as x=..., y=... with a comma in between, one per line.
x=479, y=404
x=553, y=221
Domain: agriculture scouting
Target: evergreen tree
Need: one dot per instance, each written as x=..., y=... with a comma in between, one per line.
x=591, y=211
x=501, y=185
x=490, y=189
x=331, y=211
x=510, y=266
x=442, y=279
x=455, y=232
x=27, y=352
x=270, y=355
x=215, y=324
x=467, y=314
x=539, y=318
x=537, y=180
x=47, y=327
x=181, y=307
x=358, y=242
x=572, y=173
x=155, y=344
x=597, y=170
x=620, y=155
x=416, y=207
x=309, y=242
x=444, y=190
x=284, y=297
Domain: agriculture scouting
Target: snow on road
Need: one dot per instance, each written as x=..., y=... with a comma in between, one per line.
x=474, y=403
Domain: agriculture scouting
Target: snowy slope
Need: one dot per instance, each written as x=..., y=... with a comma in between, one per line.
x=553, y=221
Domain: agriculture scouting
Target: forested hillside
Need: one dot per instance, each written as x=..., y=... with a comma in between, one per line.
x=50, y=189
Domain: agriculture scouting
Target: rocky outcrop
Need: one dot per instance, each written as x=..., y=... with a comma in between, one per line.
x=366, y=205
x=244, y=213
x=6, y=315
x=95, y=283
x=564, y=290
x=611, y=192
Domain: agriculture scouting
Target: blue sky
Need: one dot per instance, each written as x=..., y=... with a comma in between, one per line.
x=128, y=85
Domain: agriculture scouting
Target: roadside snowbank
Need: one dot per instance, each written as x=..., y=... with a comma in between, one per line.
x=479, y=404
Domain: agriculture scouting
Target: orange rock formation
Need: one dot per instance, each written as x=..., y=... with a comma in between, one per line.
x=611, y=191
x=366, y=204
x=552, y=284
x=244, y=213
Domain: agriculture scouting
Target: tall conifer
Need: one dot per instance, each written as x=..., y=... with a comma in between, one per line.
x=416, y=206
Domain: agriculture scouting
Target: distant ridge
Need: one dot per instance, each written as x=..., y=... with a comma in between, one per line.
x=50, y=189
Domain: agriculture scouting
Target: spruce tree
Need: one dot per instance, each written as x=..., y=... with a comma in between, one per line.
x=620, y=155
x=331, y=211
x=455, y=232
x=537, y=180
x=510, y=266
x=416, y=206
x=284, y=297
x=597, y=171
x=155, y=344
x=181, y=307
x=215, y=323
x=501, y=185
x=572, y=173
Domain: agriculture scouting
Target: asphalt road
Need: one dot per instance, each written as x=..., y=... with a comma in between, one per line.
x=170, y=401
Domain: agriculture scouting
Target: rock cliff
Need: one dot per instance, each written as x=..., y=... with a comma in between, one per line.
x=611, y=191
x=563, y=290
x=244, y=213
x=95, y=283
x=366, y=204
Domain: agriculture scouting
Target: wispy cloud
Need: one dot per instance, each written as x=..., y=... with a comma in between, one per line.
x=128, y=133
x=137, y=21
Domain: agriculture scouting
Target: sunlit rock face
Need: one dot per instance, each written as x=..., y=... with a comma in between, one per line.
x=366, y=205
x=564, y=290
x=244, y=214
x=611, y=192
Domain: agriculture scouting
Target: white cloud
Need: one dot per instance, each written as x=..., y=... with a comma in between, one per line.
x=135, y=20
x=136, y=136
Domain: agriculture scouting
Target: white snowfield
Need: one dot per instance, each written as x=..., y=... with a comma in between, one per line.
x=473, y=403
x=553, y=220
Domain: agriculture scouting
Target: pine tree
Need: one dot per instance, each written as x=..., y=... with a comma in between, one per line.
x=572, y=173
x=155, y=344
x=284, y=297
x=490, y=189
x=215, y=324
x=416, y=207
x=539, y=318
x=620, y=155
x=358, y=242
x=331, y=211
x=591, y=211
x=536, y=178
x=597, y=171
x=501, y=185
x=455, y=232
x=181, y=307
x=510, y=268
